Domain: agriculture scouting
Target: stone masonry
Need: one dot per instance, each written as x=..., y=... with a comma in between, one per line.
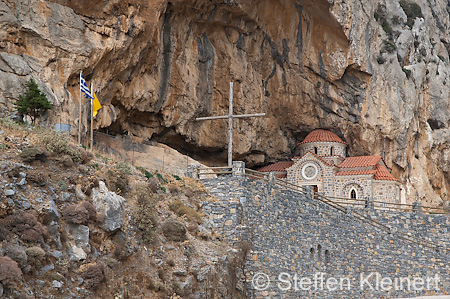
x=309, y=250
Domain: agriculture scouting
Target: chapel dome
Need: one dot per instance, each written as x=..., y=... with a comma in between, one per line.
x=321, y=135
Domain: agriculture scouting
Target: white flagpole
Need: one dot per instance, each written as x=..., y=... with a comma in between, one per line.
x=79, y=119
x=92, y=117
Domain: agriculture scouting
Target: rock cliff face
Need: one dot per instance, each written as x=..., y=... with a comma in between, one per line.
x=375, y=72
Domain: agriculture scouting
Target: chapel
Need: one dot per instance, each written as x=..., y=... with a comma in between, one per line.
x=323, y=164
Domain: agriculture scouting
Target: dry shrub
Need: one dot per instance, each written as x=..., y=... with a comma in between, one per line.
x=122, y=250
x=146, y=280
x=100, y=217
x=17, y=254
x=35, y=256
x=10, y=273
x=173, y=188
x=153, y=184
x=5, y=229
x=94, y=276
x=118, y=178
x=146, y=215
x=58, y=143
x=89, y=184
x=86, y=156
x=189, y=193
x=237, y=261
x=192, y=227
x=177, y=289
x=194, y=185
x=64, y=161
x=26, y=226
x=33, y=153
x=179, y=208
x=90, y=208
x=171, y=262
x=162, y=274
x=38, y=178
x=76, y=214
x=174, y=230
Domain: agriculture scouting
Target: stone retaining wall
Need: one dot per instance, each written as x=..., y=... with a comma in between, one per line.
x=309, y=244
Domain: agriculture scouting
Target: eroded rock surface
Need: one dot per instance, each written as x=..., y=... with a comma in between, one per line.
x=157, y=65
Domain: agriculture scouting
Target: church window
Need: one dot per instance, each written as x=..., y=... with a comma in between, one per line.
x=319, y=252
x=353, y=194
x=315, y=150
x=311, y=254
x=332, y=151
x=327, y=256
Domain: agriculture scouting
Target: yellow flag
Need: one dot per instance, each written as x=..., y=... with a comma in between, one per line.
x=95, y=106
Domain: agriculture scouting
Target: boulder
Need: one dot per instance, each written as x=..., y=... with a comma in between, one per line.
x=9, y=192
x=111, y=205
x=79, y=234
x=49, y=210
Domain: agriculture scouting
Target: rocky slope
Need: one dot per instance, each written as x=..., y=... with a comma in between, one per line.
x=77, y=226
x=375, y=72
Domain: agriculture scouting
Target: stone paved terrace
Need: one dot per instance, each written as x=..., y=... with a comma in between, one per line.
x=300, y=244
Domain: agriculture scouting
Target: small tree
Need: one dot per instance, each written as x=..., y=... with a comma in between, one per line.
x=34, y=103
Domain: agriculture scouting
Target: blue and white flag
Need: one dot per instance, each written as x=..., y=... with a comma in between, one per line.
x=84, y=88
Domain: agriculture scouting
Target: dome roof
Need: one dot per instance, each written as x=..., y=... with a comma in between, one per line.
x=320, y=135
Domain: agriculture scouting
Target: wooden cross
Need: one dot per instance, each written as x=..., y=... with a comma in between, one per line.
x=230, y=117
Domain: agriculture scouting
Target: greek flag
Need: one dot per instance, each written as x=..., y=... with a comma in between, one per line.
x=84, y=88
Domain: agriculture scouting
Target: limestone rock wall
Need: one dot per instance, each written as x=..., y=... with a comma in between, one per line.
x=372, y=71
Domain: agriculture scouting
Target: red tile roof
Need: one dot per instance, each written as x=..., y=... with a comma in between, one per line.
x=362, y=161
x=356, y=172
x=279, y=166
x=320, y=135
x=382, y=174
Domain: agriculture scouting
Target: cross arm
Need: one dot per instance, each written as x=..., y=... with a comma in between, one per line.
x=212, y=117
x=233, y=116
x=249, y=115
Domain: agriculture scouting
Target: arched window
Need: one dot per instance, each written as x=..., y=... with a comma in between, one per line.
x=332, y=151
x=327, y=256
x=315, y=150
x=311, y=254
x=319, y=251
x=353, y=194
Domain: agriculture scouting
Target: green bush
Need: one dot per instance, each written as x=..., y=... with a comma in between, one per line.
x=389, y=46
x=33, y=103
x=147, y=174
x=407, y=72
x=123, y=168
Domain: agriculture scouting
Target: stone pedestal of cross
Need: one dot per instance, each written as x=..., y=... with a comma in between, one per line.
x=230, y=117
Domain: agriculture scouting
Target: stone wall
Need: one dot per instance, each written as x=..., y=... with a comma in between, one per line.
x=296, y=238
x=324, y=149
x=387, y=191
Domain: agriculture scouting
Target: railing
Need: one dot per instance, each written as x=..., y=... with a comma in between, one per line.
x=353, y=213
x=214, y=171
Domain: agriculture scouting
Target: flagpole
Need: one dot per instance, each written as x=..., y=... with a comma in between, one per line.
x=79, y=119
x=92, y=116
